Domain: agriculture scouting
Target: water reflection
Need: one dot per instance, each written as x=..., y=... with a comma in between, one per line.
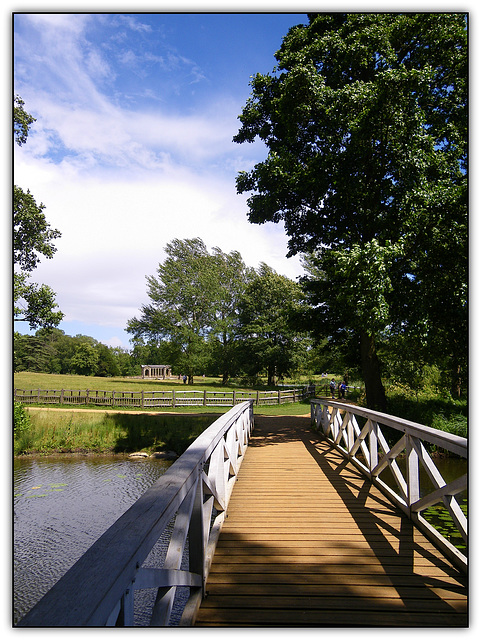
x=61, y=506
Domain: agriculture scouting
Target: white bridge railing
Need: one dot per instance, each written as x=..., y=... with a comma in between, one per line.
x=185, y=510
x=357, y=434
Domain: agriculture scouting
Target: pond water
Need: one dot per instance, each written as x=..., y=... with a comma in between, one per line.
x=61, y=506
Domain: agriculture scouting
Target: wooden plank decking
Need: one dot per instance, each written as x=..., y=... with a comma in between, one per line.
x=308, y=541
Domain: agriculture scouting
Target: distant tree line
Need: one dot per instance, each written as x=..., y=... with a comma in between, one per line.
x=52, y=351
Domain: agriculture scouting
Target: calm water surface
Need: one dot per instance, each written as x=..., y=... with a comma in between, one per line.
x=61, y=507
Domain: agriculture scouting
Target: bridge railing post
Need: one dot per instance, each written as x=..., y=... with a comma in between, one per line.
x=197, y=541
x=412, y=474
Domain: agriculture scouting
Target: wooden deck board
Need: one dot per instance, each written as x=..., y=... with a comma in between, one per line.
x=308, y=541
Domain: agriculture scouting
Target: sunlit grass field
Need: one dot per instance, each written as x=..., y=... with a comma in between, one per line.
x=28, y=380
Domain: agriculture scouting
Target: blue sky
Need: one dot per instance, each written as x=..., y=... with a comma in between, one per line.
x=132, y=147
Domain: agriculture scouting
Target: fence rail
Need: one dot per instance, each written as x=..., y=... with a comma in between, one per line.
x=357, y=434
x=153, y=399
x=187, y=507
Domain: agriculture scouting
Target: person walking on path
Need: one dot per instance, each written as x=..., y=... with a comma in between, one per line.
x=332, y=387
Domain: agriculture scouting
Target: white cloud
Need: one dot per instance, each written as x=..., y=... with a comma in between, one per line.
x=73, y=24
x=115, y=137
x=120, y=184
x=114, y=233
x=134, y=23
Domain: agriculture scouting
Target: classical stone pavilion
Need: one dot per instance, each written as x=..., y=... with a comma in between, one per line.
x=156, y=371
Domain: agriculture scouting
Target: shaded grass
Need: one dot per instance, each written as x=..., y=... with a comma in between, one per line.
x=438, y=412
x=100, y=431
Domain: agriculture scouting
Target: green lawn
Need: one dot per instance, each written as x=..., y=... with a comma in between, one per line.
x=28, y=380
x=104, y=429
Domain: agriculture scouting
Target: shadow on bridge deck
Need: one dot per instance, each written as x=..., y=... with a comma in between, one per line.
x=308, y=541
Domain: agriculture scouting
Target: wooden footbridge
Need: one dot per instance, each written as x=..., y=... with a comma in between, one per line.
x=301, y=521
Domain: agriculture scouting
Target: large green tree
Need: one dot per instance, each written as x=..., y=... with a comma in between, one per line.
x=268, y=309
x=365, y=122
x=32, y=238
x=233, y=278
x=193, y=305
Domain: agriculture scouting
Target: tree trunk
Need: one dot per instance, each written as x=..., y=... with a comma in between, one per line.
x=456, y=381
x=271, y=375
x=371, y=371
x=456, y=370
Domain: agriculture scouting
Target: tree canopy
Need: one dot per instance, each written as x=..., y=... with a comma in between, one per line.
x=209, y=312
x=193, y=304
x=365, y=123
x=32, y=238
x=267, y=314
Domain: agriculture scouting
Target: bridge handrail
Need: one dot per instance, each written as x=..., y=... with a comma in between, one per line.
x=367, y=447
x=186, y=504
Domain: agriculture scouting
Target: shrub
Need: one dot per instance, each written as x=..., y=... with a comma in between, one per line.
x=21, y=420
x=456, y=424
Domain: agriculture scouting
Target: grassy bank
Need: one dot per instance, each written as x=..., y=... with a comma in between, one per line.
x=95, y=430
x=431, y=409
x=51, y=431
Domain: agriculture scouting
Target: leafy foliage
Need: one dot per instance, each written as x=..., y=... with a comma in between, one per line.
x=34, y=303
x=21, y=420
x=32, y=238
x=32, y=234
x=21, y=121
x=267, y=311
x=365, y=123
x=193, y=306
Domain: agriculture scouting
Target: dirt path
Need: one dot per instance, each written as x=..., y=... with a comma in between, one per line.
x=134, y=413
x=156, y=413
